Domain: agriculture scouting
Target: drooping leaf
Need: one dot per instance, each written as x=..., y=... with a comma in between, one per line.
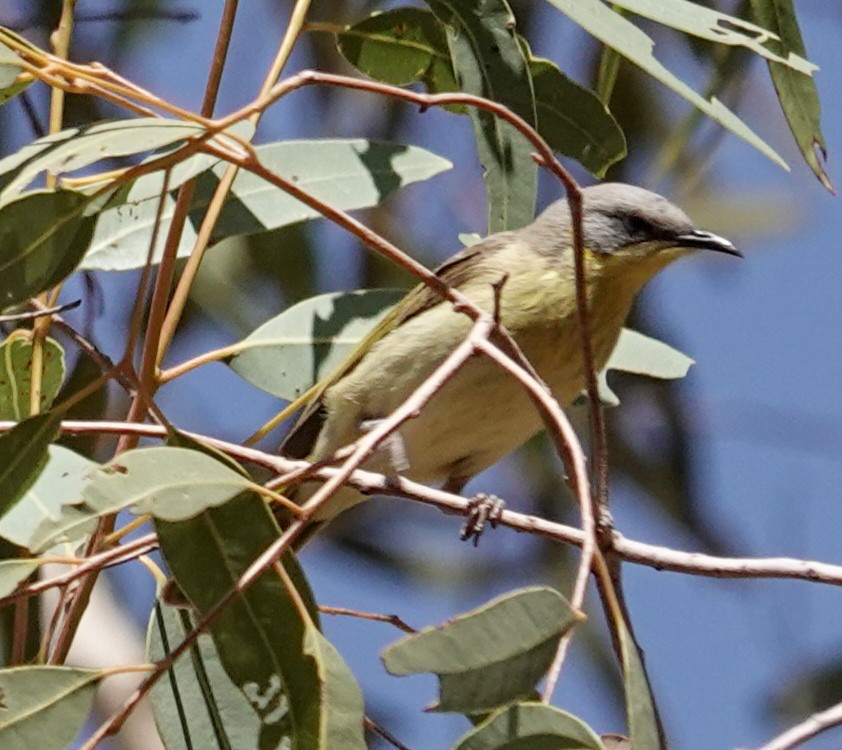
x=490, y=656
x=573, y=120
x=291, y=352
x=168, y=483
x=10, y=70
x=489, y=61
x=619, y=33
x=23, y=455
x=642, y=355
x=51, y=511
x=400, y=46
x=344, y=173
x=16, y=375
x=196, y=705
x=76, y=148
x=265, y=637
x=44, y=707
x=43, y=236
x=12, y=572
x=715, y=26
x=531, y=726
x=797, y=92
x=640, y=705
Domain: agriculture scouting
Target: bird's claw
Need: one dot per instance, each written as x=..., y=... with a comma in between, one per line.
x=483, y=508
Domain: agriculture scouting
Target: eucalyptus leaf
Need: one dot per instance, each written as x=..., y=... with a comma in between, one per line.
x=16, y=374
x=168, y=483
x=10, y=70
x=197, y=706
x=44, y=707
x=531, y=726
x=265, y=637
x=489, y=61
x=23, y=455
x=640, y=704
x=75, y=148
x=43, y=236
x=715, y=26
x=620, y=34
x=797, y=92
x=51, y=511
x=13, y=572
x=491, y=656
x=302, y=345
x=346, y=174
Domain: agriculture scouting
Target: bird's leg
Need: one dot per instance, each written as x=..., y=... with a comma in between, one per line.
x=393, y=446
x=483, y=508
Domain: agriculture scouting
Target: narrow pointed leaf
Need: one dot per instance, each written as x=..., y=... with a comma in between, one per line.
x=797, y=92
x=44, y=707
x=346, y=174
x=196, y=705
x=43, y=236
x=23, y=455
x=715, y=26
x=16, y=375
x=489, y=61
x=51, y=511
x=291, y=352
x=620, y=34
x=531, y=726
x=262, y=637
x=13, y=572
x=490, y=656
x=640, y=704
x=10, y=70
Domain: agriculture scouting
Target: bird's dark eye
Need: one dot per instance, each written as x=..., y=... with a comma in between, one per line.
x=637, y=226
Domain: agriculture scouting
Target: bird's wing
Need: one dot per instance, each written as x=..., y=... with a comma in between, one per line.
x=455, y=271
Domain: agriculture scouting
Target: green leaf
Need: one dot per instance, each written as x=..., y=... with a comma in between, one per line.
x=43, y=236
x=531, y=726
x=400, y=46
x=490, y=656
x=573, y=120
x=642, y=355
x=266, y=639
x=306, y=342
x=197, y=705
x=640, y=705
x=23, y=455
x=75, y=148
x=52, y=511
x=717, y=27
x=489, y=61
x=620, y=34
x=344, y=173
x=44, y=707
x=16, y=375
x=168, y=483
x=10, y=70
x=797, y=92
x=12, y=572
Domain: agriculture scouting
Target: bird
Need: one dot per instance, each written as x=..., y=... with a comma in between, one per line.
x=482, y=413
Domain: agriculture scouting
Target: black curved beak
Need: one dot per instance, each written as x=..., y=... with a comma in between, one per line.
x=708, y=241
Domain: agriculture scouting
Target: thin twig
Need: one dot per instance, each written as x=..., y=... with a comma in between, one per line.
x=391, y=619
x=800, y=733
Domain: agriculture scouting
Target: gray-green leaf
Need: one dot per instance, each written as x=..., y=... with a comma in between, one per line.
x=16, y=375
x=620, y=34
x=44, y=707
x=346, y=174
x=531, y=726
x=10, y=69
x=797, y=92
x=490, y=656
x=291, y=352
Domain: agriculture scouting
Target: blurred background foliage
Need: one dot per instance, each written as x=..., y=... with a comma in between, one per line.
x=406, y=555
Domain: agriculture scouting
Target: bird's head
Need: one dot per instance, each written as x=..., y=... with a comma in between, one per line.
x=629, y=229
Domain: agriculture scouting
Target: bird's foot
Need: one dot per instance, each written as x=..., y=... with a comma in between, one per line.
x=484, y=509
x=393, y=446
